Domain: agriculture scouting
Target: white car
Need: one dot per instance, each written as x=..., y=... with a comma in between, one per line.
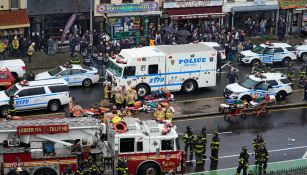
x=17, y=67
x=29, y=95
x=217, y=47
x=275, y=84
x=269, y=53
x=75, y=75
x=301, y=52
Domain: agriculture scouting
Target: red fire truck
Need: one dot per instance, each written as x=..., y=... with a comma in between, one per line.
x=48, y=146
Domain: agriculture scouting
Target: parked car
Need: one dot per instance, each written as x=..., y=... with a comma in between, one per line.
x=301, y=52
x=6, y=78
x=16, y=66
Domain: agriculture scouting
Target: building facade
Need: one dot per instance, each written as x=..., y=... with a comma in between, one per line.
x=127, y=18
x=13, y=18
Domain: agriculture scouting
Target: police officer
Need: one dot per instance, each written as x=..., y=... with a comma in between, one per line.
x=159, y=114
x=290, y=72
x=130, y=97
x=198, y=148
x=122, y=167
x=188, y=139
x=203, y=136
x=215, y=146
x=243, y=161
x=86, y=59
x=11, y=109
x=262, y=158
x=119, y=99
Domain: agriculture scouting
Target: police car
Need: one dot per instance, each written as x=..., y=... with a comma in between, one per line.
x=269, y=53
x=301, y=52
x=275, y=84
x=29, y=95
x=75, y=75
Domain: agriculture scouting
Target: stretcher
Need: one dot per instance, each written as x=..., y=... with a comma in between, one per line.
x=260, y=108
x=232, y=109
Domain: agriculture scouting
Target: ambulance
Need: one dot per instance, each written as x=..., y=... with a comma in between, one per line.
x=176, y=67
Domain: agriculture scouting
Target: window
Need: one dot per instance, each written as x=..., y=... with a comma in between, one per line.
x=153, y=69
x=230, y=0
x=4, y=76
x=290, y=49
x=262, y=86
x=55, y=89
x=105, y=1
x=77, y=71
x=129, y=71
x=278, y=50
x=139, y=146
x=23, y=93
x=48, y=149
x=65, y=73
x=268, y=51
x=126, y=145
x=36, y=91
x=285, y=81
x=167, y=145
x=127, y=1
x=14, y=4
x=272, y=83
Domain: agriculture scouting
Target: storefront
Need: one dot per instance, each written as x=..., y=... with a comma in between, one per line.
x=183, y=12
x=14, y=22
x=129, y=20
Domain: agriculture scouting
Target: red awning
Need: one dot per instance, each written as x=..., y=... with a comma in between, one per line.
x=14, y=19
x=199, y=12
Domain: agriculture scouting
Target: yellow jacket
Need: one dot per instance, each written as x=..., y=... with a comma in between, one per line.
x=30, y=50
x=15, y=44
x=159, y=114
x=2, y=47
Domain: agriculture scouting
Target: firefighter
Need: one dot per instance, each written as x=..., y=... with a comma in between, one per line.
x=188, y=139
x=262, y=158
x=243, y=161
x=68, y=171
x=169, y=114
x=290, y=72
x=80, y=171
x=130, y=98
x=75, y=60
x=215, y=146
x=258, y=141
x=198, y=148
x=93, y=169
x=302, y=75
x=159, y=114
x=119, y=99
x=11, y=109
x=203, y=136
x=108, y=91
x=77, y=110
x=122, y=167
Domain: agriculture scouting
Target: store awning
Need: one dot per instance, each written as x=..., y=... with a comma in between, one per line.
x=199, y=12
x=254, y=8
x=14, y=19
x=149, y=13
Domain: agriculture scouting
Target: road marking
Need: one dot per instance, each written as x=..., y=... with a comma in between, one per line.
x=305, y=155
x=229, y=132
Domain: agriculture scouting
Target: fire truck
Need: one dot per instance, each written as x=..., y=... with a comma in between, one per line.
x=49, y=146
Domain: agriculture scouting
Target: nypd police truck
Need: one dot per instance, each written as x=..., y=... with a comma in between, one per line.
x=176, y=67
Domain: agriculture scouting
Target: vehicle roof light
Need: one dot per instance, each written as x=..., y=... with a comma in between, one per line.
x=24, y=83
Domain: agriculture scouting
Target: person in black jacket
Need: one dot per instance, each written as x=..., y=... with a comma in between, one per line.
x=232, y=76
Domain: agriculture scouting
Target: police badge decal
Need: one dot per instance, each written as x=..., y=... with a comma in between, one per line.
x=172, y=62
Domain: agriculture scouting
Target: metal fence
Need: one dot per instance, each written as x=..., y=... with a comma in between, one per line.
x=291, y=171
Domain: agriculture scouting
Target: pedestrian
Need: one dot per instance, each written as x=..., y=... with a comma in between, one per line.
x=119, y=99
x=30, y=52
x=232, y=76
x=262, y=158
x=122, y=167
x=219, y=62
x=203, y=136
x=108, y=91
x=198, y=148
x=243, y=161
x=159, y=114
x=77, y=111
x=188, y=139
x=49, y=46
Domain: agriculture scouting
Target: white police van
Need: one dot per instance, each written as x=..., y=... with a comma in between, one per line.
x=176, y=67
x=269, y=53
x=29, y=95
x=275, y=84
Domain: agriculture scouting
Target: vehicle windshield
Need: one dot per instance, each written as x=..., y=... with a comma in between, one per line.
x=55, y=71
x=11, y=91
x=115, y=69
x=248, y=83
x=218, y=48
x=258, y=49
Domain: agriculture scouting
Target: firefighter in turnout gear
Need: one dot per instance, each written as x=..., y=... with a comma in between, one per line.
x=302, y=75
x=188, y=139
x=290, y=72
x=159, y=114
x=262, y=157
x=108, y=91
x=122, y=167
x=215, y=146
x=258, y=141
x=130, y=98
x=11, y=109
x=243, y=161
x=119, y=99
x=199, y=149
x=203, y=136
x=168, y=113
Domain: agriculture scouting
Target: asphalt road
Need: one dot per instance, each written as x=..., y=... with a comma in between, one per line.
x=284, y=133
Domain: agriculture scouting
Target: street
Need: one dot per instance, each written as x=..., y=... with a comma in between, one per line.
x=284, y=134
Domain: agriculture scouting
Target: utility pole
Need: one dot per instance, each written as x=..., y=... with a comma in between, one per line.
x=91, y=22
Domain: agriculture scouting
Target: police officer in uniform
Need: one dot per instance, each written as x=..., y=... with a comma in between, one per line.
x=86, y=59
x=188, y=139
x=243, y=161
x=122, y=167
x=199, y=149
x=11, y=109
x=262, y=158
x=203, y=136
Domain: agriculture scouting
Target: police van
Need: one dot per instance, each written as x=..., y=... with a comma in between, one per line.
x=176, y=67
x=29, y=95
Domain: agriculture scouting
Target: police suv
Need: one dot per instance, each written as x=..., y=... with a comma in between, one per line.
x=275, y=84
x=269, y=53
x=29, y=95
x=74, y=74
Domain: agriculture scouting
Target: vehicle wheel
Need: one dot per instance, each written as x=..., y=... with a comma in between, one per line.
x=4, y=111
x=281, y=95
x=286, y=61
x=254, y=62
x=189, y=86
x=54, y=105
x=246, y=98
x=87, y=82
x=149, y=169
x=13, y=172
x=45, y=171
x=142, y=90
x=304, y=57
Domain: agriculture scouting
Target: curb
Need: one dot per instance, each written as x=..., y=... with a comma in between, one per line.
x=204, y=115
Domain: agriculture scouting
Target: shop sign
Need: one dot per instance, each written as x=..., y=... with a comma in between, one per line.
x=187, y=4
x=290, y=4
x=112, y=8
x=48, y=129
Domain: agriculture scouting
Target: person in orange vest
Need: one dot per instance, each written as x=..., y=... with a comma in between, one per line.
x=77, y=110
x=71, y=106
x=151, y=42
x=15, y=46
x=159, y=114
